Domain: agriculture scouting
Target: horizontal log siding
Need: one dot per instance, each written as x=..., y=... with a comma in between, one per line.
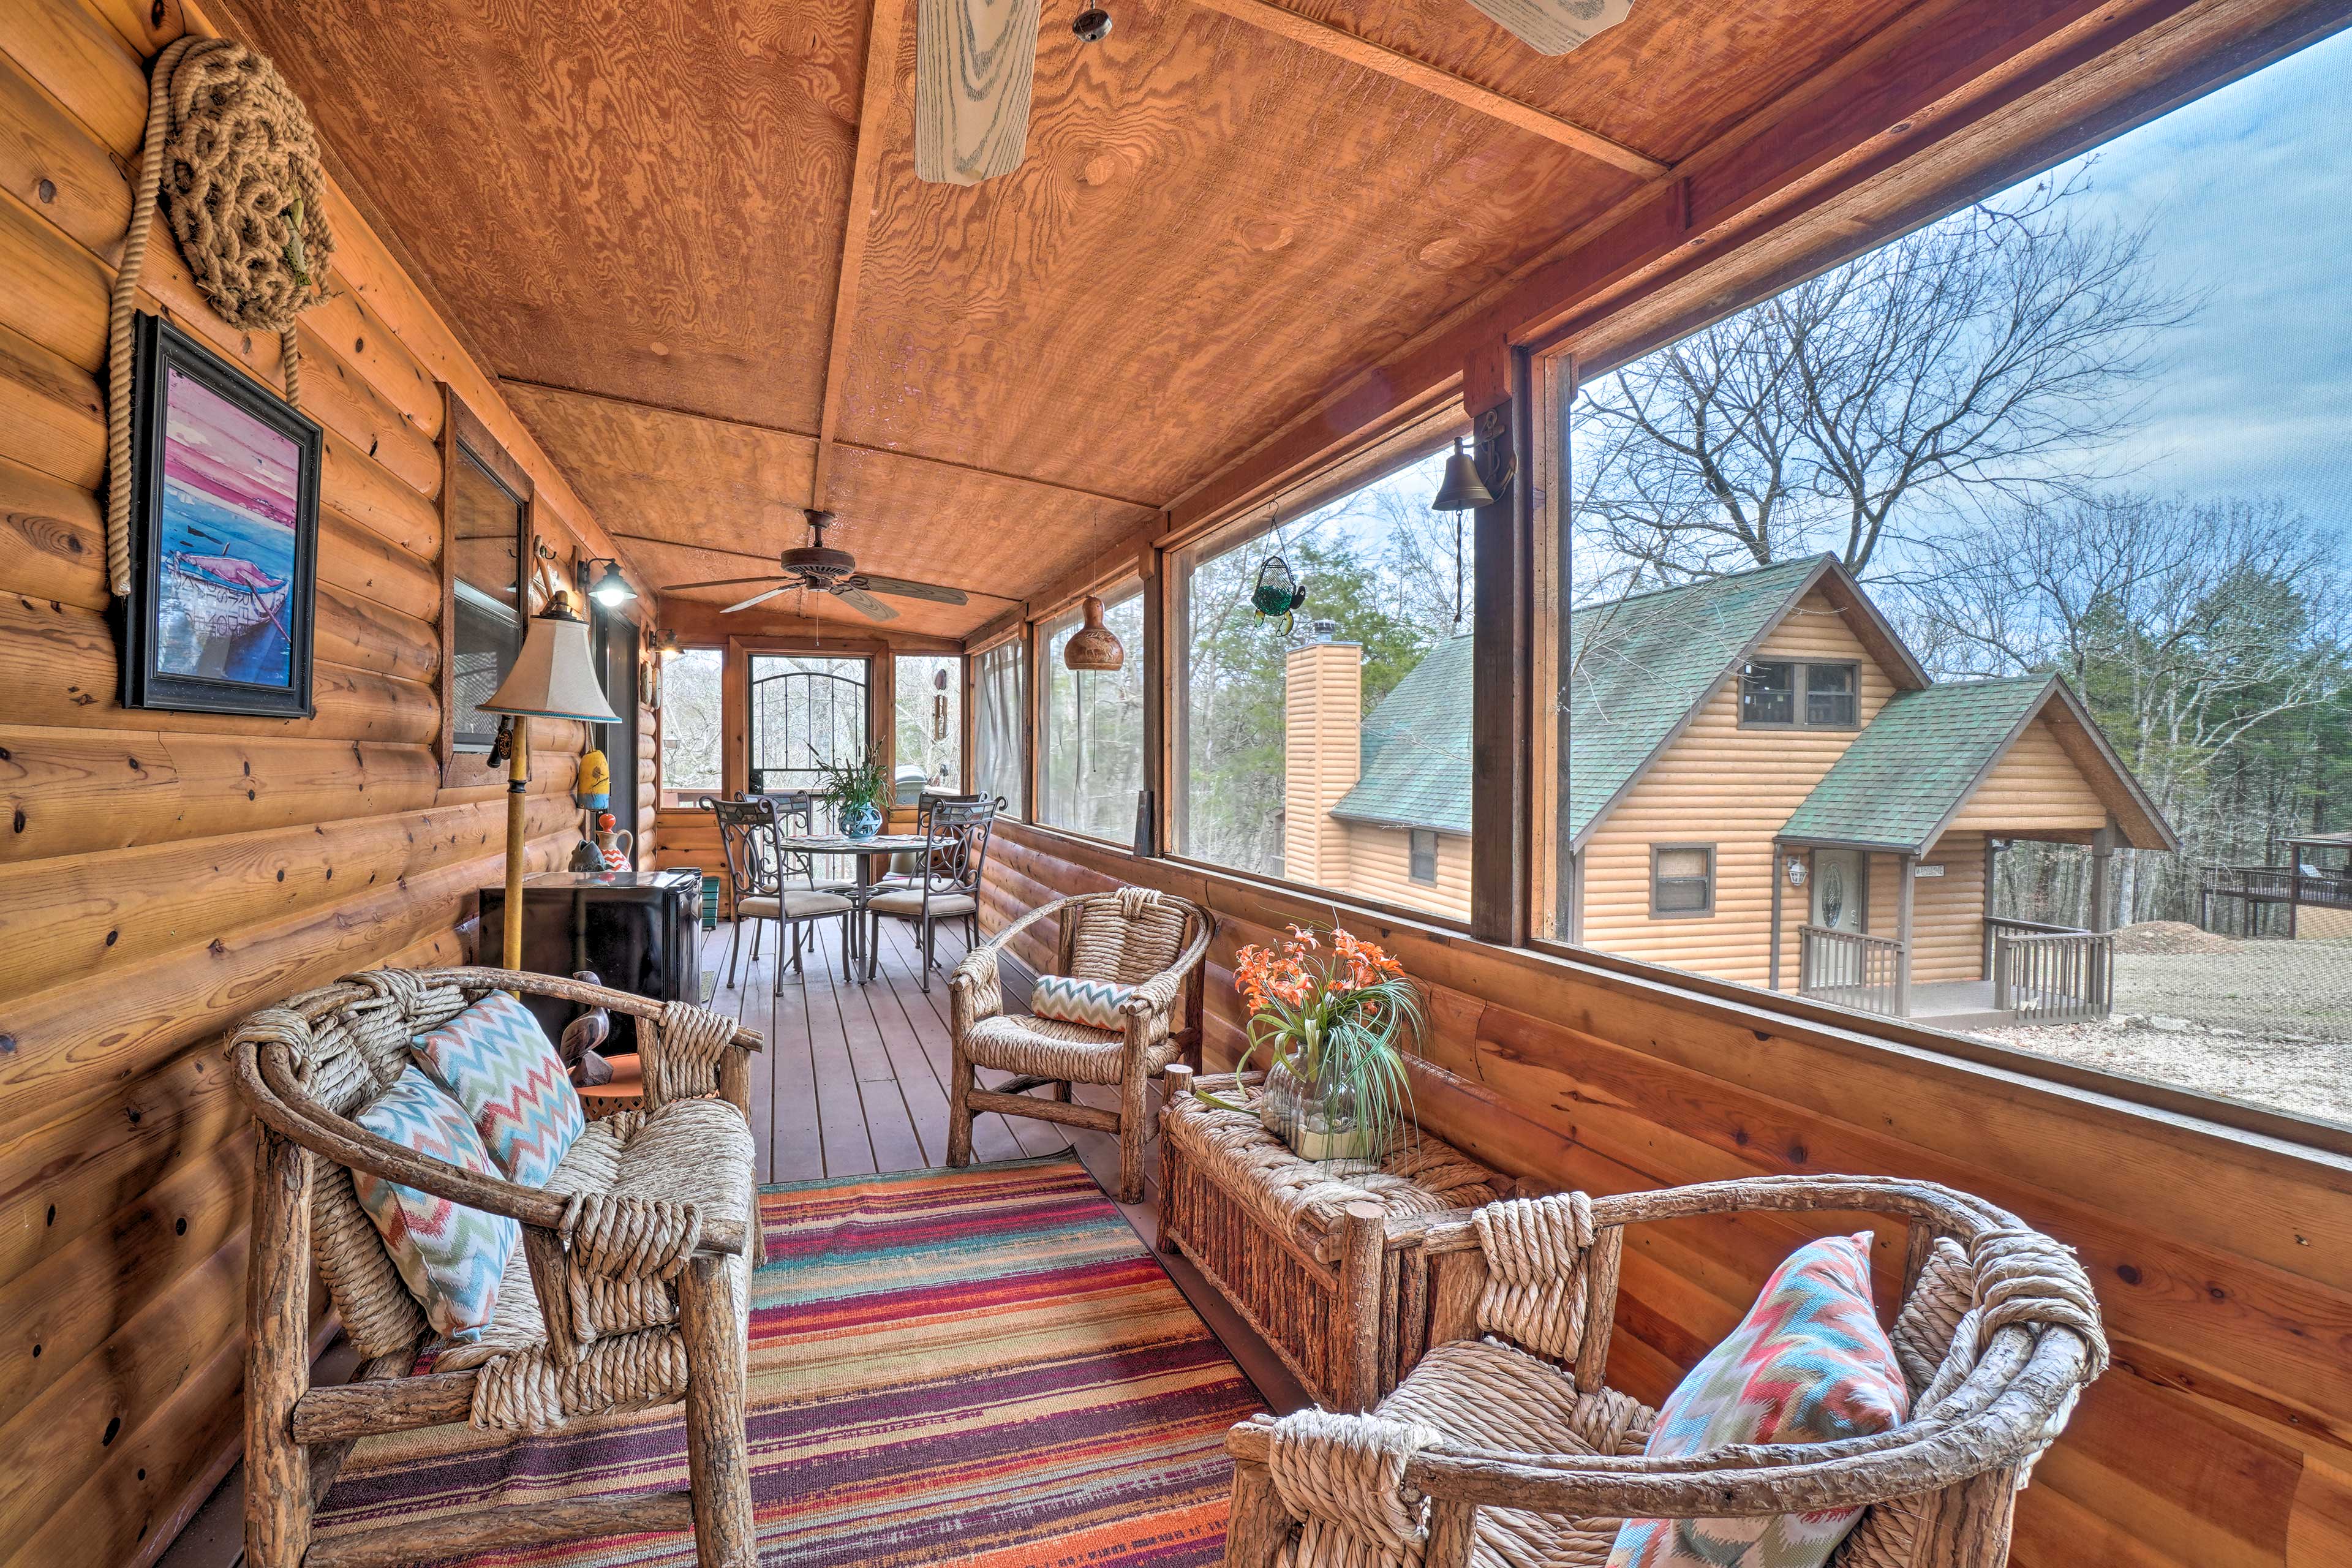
x=162, y=874
x=1380, y=868
x=2035, y=789
x=1717, y=783
x=2225, y=1434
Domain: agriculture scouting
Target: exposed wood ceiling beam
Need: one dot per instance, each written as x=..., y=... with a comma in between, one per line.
x=882, y=34
x=898, y=453
x=1470, y=95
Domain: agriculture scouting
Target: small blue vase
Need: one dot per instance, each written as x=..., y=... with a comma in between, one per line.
x=861, y=821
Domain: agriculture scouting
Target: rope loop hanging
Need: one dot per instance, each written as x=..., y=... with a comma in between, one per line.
x=232, y=153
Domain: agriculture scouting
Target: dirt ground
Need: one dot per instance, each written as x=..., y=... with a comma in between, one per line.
x=2269, y=1022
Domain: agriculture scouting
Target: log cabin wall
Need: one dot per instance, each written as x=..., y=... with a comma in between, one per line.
x=2223, y=1435
x=162, y=874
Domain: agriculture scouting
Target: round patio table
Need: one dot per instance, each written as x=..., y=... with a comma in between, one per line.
x=865, y=851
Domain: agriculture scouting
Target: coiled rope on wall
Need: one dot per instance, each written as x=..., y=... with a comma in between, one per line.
x=232, y=153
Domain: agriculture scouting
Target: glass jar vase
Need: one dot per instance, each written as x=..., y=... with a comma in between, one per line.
x=1319, y=1119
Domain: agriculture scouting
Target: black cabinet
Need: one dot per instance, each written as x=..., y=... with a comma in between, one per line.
x=640, y=932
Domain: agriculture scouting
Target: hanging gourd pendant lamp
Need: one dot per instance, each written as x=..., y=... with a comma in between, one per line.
x=1093, y=646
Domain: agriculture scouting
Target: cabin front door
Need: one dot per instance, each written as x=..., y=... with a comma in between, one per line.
x=1837, y=889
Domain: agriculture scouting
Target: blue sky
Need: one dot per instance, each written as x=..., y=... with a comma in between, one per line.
x=2247, y=192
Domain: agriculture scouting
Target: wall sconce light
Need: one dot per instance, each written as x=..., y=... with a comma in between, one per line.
x=612, y=589
x=666, y=645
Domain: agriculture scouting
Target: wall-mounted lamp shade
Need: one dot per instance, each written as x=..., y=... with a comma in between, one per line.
x=1463, y=490
x=611, y=588
x=1093, y=646
x=668, y=647
x=555, y=677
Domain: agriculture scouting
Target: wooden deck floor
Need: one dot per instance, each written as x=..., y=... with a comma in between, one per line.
x=853, y=1081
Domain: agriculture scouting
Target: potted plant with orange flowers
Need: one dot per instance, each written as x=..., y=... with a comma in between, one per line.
x=1335, y=1016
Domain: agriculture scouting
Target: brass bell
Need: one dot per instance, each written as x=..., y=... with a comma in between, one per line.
x=1463, y=490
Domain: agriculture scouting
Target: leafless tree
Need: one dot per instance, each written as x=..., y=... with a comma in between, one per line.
x=1997, y=352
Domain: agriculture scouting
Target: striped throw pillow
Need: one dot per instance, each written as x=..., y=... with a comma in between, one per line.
x=450, y=1257
x=1092, y=1001
x=1808, y=1364
x=494, y=1058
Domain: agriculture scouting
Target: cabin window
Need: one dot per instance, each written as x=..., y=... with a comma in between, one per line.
x=1959, y=456
x=929, y=733
x=1328, y=746
x=1425, y=856
x=692, y=723
x=1000, y=730
x=1773, y=692
x=486, y=610
x=1682, y=880
x=1090, y=726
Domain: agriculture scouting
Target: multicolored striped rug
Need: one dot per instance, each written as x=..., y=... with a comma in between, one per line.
x=982, y=1367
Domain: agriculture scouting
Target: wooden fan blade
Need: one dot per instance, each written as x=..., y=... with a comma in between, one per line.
x=717, y=582
x=1555, y=27
x=758, y=598
x=866, y=603
x=898, y=588
x=973, y=59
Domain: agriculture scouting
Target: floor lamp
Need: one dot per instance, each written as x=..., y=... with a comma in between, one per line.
x=554, y=677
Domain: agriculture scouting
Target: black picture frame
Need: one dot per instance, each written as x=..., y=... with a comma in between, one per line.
x=221, y=632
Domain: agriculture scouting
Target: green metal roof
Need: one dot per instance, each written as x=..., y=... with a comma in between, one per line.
x=1640, y=666
x=1914, y=764
x=1416, y=749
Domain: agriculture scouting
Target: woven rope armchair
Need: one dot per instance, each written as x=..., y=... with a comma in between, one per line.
x=631, y=1288
x=1504, y=1446
x=1131, y=936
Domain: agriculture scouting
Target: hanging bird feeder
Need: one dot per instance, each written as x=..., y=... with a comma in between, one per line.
x=1279, y=593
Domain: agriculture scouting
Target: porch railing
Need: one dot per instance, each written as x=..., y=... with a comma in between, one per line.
x=2052, y=974
x=1865, y=973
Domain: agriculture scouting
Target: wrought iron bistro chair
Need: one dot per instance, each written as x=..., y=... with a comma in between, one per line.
x=630, y=1288
x=1504, y=1443
x=1137, y=937
x=946, y=885
x=750, y=836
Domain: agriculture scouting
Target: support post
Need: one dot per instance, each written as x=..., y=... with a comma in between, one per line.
x=1904, y=888
x=1500, y=721
x=1772, y=963
x=1993, y=848
x=2102, y=853
x=1356, y=1315
x=278, y=1355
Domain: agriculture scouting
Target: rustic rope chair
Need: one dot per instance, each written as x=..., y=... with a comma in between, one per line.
x=1132, y=936
x=750, y=836
x=630, y=1289
x=1504, y=1446
x=949, y=886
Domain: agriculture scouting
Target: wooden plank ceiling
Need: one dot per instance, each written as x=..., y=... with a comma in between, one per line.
x=711, y=295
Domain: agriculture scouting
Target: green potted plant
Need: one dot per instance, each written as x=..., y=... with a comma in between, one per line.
x=1335, y=1016
x=859, y=790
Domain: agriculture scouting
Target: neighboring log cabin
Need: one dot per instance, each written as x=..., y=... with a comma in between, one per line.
x=1764, y=786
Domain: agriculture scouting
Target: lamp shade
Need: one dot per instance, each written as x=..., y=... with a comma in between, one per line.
x=555, y=677
x=611, y=588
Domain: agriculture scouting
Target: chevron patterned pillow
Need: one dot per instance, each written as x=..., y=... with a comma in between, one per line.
x=494, y=1058
x=1093, y=1002
x=450, y=1257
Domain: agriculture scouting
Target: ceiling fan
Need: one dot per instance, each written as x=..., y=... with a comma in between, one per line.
x=974, y=60
x=817, y=567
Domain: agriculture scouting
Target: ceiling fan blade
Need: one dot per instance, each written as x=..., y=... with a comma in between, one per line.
x=759, y=598
x=900, y=588
x=716, y=582
x=866, y=603
x=1555, y=27
x=973, y=61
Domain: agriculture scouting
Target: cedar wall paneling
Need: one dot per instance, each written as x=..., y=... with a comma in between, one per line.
x=163, y=875
x=2223, y=1436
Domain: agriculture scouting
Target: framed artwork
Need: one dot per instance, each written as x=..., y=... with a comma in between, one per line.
x=223, y=537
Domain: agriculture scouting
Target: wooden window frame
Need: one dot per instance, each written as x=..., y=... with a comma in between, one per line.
x=1707, y=911
x=670, y=799
x=1800, y=694
x=464, y=437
